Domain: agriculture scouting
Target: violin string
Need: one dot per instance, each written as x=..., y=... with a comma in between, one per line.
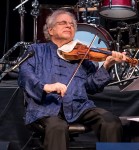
x=74, y=73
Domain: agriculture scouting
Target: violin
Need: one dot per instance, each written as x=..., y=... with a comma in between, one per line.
x=94, y=54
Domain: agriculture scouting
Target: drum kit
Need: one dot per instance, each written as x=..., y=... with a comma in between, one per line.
x=89, y=14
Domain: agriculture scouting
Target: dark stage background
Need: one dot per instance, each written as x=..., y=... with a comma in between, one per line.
x=10, y=21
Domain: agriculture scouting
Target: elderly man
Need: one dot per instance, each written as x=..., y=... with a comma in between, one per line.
x=53, y=104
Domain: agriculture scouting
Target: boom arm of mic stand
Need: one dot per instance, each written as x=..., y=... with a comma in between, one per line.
x=30, y=54
x=4, y=73
x=10, y=51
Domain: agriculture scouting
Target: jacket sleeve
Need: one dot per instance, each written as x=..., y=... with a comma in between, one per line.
x=97, y=79
x=28, y=79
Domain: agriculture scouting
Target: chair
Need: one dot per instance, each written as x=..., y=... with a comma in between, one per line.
x=74, y=130
x=38, y=133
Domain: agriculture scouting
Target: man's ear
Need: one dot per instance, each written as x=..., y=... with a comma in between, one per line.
x=50, y=31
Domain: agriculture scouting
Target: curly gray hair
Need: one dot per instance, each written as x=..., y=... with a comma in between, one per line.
x=51, y=20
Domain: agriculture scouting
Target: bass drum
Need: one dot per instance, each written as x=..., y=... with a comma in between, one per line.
x=86, y=32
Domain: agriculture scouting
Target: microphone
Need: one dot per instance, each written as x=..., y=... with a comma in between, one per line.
x=30, y=54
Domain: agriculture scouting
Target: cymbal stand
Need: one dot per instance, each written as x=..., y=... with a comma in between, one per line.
x=23, y=45
x=22, y=11
x=35, y=13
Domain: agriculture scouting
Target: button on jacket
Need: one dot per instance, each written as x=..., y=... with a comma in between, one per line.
x=46, y=67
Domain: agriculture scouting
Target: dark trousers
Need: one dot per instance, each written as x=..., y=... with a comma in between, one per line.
x=107, y=127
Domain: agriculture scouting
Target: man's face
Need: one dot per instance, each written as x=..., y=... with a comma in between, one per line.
x=63, y=29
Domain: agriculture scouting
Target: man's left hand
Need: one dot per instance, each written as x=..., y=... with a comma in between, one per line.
x=116, y=57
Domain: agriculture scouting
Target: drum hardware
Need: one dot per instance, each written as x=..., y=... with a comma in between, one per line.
x=90, y=19
x=119, y=35
x=84, y=15
x=85, y=7
x=35, y=14
x=118, y=43
x=88, y=9
x=132, y=32
x=132, y=37
x=124, y=70
x=88, y=3
x=131, y=71
x=118, y=68
x=121, y=29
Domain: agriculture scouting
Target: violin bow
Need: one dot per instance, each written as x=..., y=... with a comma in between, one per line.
x=77, y=68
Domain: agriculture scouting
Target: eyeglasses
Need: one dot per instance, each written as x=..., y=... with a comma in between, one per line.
x=64, y=23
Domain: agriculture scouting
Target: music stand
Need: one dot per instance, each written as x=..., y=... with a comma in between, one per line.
x=134, y=86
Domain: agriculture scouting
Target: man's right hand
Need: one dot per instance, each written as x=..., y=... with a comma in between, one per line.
x=55, y=87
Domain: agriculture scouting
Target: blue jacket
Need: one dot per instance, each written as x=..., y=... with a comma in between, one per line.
x=45, y=67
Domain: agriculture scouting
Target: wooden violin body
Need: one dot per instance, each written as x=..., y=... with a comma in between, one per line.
x=94, y=54
x=79, y=52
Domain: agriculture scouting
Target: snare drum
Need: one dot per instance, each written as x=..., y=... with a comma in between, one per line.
x=86, y=32
x=118, y=9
